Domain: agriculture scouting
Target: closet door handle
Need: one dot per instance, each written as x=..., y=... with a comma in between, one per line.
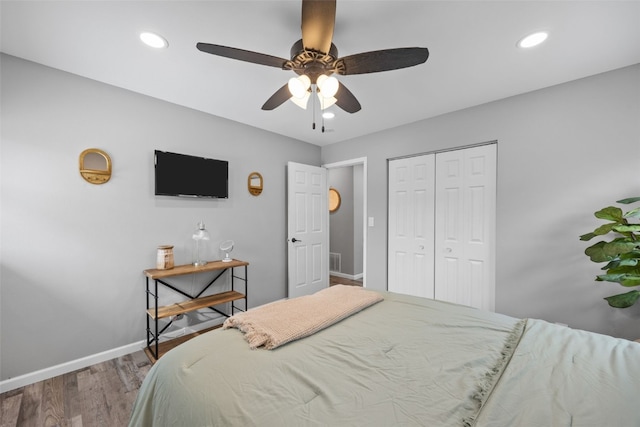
x=295, y=240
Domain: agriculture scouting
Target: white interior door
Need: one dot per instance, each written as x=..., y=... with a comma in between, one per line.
x=411, y=217
x=465, y=226
x=308, y=229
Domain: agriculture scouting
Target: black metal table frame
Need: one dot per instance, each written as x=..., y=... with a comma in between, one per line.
x=154, y=337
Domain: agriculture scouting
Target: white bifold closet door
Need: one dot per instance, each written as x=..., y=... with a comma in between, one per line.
x=442, y=226
x=411, y=233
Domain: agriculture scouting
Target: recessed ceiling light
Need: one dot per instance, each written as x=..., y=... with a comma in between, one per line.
x=328, y=115
x=533, y=39
x=154, y=40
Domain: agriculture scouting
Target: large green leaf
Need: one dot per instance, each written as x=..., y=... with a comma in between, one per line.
x=608, y=251
x=635, y=213
x=596, y=253
x=611, y=213
x=615, y=278
x=620, y=262
x=624, y=269
x=617, y=247
x=630, y=281
x=635, y=254
x=629, y=200
x=625, y=228
x=587, y=237
x=623, y=300
x=606, y=228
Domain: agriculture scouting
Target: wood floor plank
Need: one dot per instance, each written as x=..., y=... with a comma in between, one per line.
x=9, y=409
x=127, y=372
x=93, y=402
x=117, y=393
x=53, y=402
x=29, y=415
x=72, y=407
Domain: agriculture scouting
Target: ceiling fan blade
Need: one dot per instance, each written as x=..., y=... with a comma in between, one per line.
x=383, y=60
x=346, y=100
x=318, y=20
x=277, y=99
x=242, y=55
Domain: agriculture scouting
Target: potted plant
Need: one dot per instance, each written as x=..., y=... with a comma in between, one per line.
x=622, y=253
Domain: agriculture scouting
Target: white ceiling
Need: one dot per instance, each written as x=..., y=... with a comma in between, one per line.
x=473, y=55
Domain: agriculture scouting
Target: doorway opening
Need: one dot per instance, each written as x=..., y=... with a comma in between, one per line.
x=348, y=224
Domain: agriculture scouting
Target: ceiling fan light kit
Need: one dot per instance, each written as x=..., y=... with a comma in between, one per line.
x=314, y=58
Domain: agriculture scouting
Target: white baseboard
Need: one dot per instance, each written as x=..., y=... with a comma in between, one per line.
x=347, y=276
x=83, y=362
x=63, y=368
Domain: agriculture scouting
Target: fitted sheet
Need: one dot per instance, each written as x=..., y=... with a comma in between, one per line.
x=404, y=361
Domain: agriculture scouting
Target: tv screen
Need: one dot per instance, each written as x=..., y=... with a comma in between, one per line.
x=190, y=176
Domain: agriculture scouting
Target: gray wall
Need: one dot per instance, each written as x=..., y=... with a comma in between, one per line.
x=72, y=253
x=563, y=153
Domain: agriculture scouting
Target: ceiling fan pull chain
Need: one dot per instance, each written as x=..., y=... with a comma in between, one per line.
x=321, y=112
x=314, y=91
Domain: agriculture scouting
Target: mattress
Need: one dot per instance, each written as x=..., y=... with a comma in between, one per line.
x=405, y=361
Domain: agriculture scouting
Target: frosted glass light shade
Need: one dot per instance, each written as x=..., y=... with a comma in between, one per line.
x=301, y=102
x=298, y=86
x=326, y=102
x=328, y=86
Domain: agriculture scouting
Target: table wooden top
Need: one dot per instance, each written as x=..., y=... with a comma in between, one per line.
x=179, y=270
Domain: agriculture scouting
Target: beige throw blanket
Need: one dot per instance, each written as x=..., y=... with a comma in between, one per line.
x=278, y=323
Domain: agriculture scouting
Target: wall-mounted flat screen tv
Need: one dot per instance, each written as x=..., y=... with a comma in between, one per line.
x=190, y=176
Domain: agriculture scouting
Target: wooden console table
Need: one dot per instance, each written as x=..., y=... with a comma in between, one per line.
x=195, y=302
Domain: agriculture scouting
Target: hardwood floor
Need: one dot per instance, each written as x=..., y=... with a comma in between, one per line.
x=101, y=395
x=335, y=280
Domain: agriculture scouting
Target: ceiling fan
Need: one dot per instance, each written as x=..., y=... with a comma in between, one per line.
x=315, y=59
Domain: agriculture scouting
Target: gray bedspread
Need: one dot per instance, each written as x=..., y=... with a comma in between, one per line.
x=405, y=361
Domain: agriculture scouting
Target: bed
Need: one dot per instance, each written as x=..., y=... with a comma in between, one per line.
x=402, y=361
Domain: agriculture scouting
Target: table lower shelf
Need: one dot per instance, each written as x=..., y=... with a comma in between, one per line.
x=194, y=304
x=165, y=346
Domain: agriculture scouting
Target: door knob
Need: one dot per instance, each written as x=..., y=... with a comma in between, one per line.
x=448, y=250
x=295, y=240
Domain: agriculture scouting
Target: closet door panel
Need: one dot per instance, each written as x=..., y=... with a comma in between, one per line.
x=410, y=235
x=465, y=226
